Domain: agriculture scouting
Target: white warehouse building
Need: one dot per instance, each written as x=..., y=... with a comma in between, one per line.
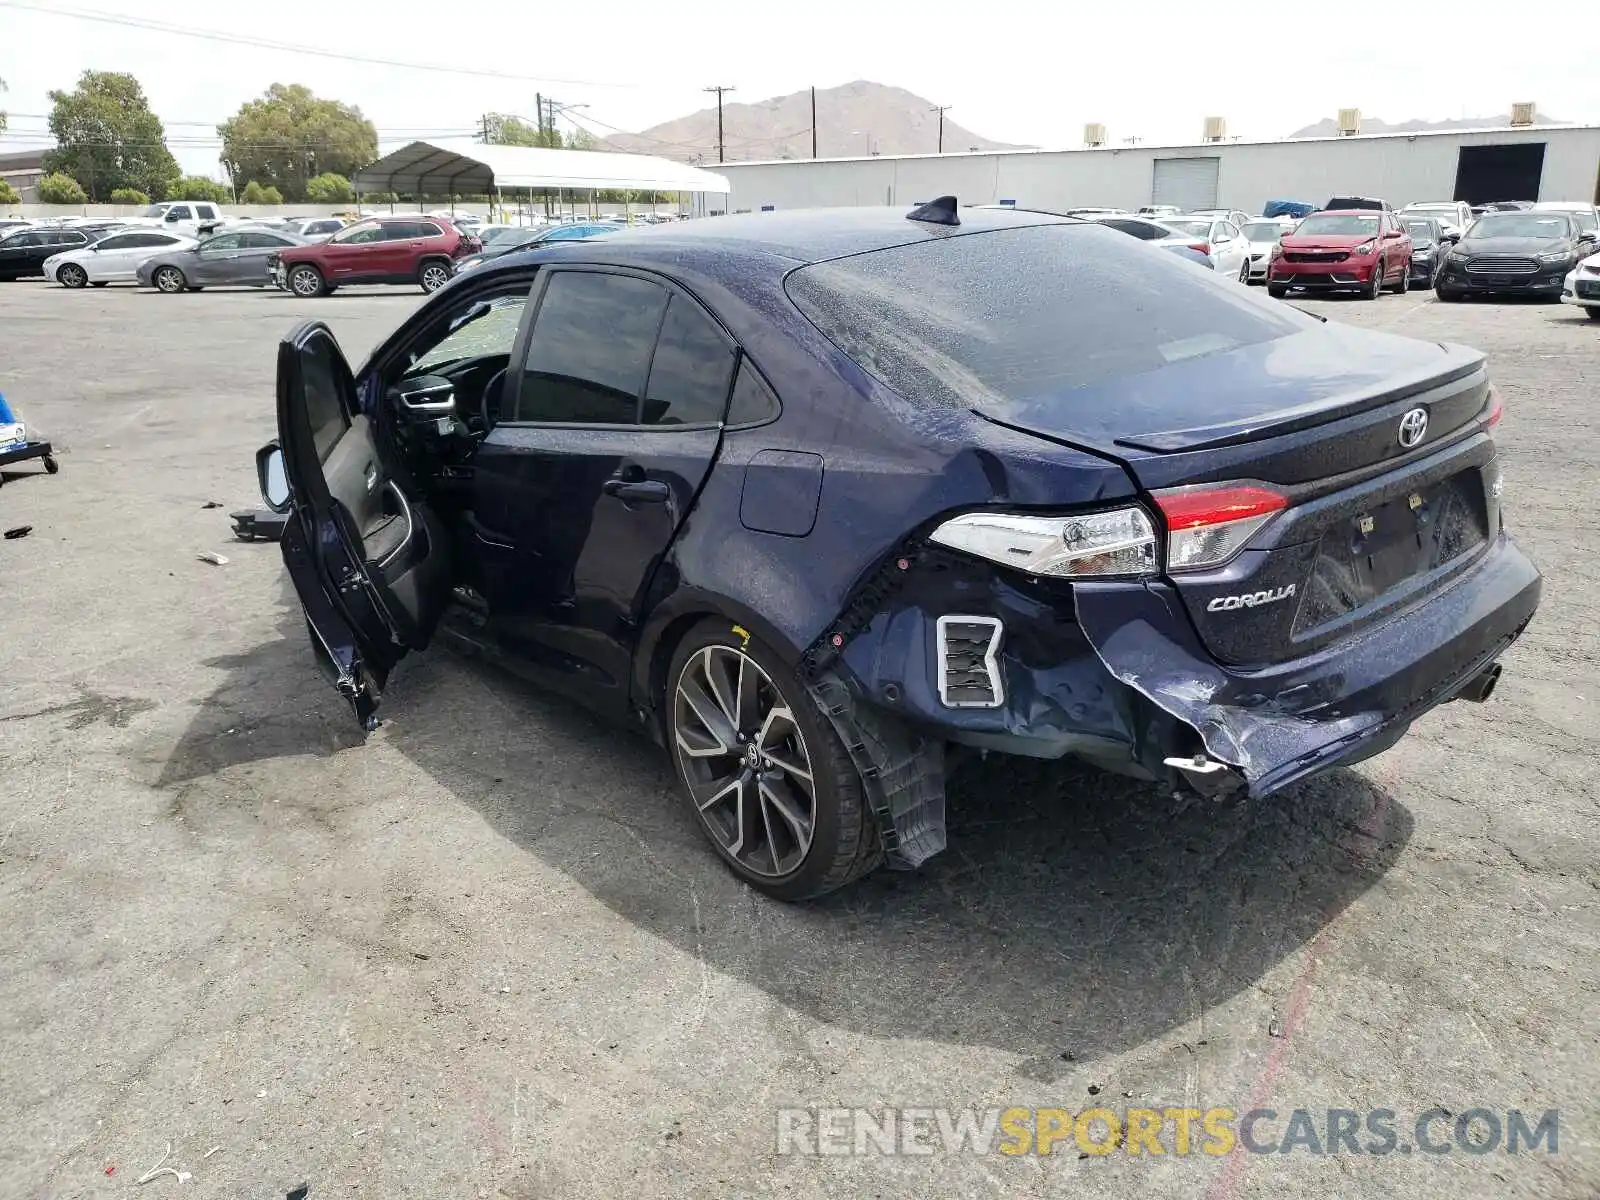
x=1518, y=163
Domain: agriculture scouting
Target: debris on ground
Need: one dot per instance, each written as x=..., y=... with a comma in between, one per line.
x=299, y=1193
x=211, y=1151
x=20, y=531
x=212, y=557
x=212, y=504
x=1275, y=1029
x=160, y=1169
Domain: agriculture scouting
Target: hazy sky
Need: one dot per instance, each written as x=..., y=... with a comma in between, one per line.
x=1018, y=72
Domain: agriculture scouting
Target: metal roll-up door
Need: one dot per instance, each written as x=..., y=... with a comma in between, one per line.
x=1190, y=183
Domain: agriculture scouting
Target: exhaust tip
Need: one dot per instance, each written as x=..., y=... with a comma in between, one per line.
x=1481, y=686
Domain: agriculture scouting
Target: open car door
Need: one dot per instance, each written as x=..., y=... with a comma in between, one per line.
x=371, y=564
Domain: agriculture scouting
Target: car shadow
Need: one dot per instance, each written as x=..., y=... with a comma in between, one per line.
x=1073, y=915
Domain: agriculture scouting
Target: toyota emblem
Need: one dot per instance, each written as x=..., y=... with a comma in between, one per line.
x=1412, y=427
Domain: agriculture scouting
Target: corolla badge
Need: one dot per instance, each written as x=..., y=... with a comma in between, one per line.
x=1412, y=427
x=1250, y=599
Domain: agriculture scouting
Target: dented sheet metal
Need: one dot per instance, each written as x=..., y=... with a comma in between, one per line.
x=1281, y=723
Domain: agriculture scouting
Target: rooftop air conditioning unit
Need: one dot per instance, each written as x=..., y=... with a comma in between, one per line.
x=1216, y=129
x=1349, y=122
x=1522, y=114
x=1094, y=135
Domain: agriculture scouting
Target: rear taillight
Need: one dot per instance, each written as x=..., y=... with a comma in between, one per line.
x=1208, y=524
x=1203, y=247
x=1119, y=543
x=1497, y=407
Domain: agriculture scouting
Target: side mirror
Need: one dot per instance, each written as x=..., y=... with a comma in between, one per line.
x=171, y=218
x=274, y=479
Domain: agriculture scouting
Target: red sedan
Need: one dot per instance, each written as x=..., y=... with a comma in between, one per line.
x=1363, y=250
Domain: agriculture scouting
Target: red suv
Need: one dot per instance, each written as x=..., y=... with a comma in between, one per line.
x=1360, y=249
x=420, y=250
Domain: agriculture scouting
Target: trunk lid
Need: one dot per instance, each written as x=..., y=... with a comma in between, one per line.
x=1371, y=524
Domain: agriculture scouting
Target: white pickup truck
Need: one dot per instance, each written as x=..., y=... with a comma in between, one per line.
x=185, y=218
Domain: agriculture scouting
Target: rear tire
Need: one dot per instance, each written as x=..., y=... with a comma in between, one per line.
x=1403, y=284
x=767, y=779
x=72, y=276
x=1594, y=313
x=306, y=282
x=1277, y=291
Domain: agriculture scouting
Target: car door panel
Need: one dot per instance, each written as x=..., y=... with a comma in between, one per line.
x=372, y=564
x=571, y=518
x=570, y=524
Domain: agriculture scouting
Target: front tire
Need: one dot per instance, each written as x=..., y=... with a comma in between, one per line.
x=169, y=280
x=72, y=276
x=433, y=276
x=767, y=778
x=306, y=282
x=1277, y=291
x=1594, y=313
x=1448, y=295
x=1375, y=288
x=1244, y=271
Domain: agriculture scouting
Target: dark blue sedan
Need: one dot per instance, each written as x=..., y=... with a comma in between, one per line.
x=811, y=497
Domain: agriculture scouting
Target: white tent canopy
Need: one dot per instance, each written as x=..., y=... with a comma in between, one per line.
x=469, y=168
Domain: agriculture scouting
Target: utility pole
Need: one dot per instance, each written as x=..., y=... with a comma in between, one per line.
x=939, y=108
x=719, y=90
x=813, y=122
x=538, y=113
x=485, y=129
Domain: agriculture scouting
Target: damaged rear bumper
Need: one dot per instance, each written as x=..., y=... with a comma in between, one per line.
x=1281, y=723
x=1114, y=674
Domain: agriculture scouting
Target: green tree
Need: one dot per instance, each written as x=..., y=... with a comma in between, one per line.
x=8, y=194
x=130, y=196
x=107, y=137
x=253, y=193
x=289, y=136
x=57, y=188
x=328, y=188
x=198, y=187
x=501, y=130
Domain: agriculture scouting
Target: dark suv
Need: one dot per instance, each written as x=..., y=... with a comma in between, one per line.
x=420, y=250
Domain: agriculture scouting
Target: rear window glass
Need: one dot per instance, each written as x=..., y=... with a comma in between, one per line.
x=1022, y=315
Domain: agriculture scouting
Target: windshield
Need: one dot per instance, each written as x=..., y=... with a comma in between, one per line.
x=1026, y=316
x=1421, y=231
x=1263, y=231
x=1192, y=228
x=1521, y=225
x=1346, y=225
x=487, y=329
x=1583, y=218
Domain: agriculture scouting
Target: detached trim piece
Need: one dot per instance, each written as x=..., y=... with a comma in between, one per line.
x=902, y=774
x=958, y=641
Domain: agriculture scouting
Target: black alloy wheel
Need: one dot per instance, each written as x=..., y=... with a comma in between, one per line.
x=768, y=779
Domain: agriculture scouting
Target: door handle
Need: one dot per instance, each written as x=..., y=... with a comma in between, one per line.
x=637, y=491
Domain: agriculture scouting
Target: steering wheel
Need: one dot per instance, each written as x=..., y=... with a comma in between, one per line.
x=489, y=400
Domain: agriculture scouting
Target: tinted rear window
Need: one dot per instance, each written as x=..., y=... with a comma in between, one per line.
x=992, y=319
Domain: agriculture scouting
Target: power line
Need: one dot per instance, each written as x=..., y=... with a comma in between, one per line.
x=239, y=39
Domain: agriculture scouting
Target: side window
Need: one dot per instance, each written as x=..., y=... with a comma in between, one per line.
x=71, y=237
x=427, y=229
x=226, y=241
x=324, y=409
x=205, y=211
x=690, y=373
x=153, y=239
x=261, y=241
x=123, y=241
x=753, y=401
x=178, y=212
x=590, y=349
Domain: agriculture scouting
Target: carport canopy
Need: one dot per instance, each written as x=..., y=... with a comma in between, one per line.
x=458, y=168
